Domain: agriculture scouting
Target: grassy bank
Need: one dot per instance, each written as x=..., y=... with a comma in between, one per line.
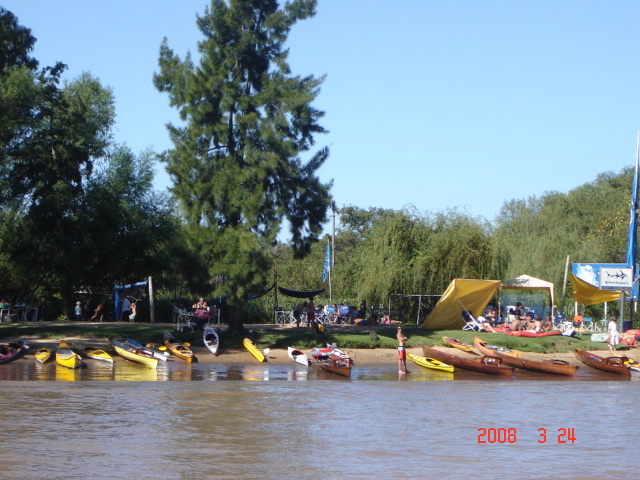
x=278, y=337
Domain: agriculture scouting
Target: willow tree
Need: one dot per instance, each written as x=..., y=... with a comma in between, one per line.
x=237, y=163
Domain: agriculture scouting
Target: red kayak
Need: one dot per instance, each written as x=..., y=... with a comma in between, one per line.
x=525, y=333
x=12, y=351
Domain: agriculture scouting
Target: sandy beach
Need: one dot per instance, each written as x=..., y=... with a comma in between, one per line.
x=362, y=357
x=385, y=356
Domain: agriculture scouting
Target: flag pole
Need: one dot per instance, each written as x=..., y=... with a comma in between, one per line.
x=632, y=247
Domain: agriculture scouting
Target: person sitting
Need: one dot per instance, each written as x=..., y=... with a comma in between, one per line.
x=486, y=325
x=201, y=305
x=515, y=325
x=537, y=325
x=578, y=320
x=362, y=309
x=491, y=316
x=548, y=324
x=175, y=310
x=528, y=322
x=386, y=320
x=344, y=312
x=332, y=312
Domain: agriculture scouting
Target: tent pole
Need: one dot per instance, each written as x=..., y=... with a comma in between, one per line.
x=564, y=286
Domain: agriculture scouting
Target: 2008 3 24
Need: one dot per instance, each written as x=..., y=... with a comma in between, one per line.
x=510, y=435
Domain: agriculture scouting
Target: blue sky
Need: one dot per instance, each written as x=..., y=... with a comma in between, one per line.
x=434, y=104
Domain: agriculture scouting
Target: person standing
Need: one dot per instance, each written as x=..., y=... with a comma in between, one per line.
x=134, y=312
x=311, y=313
x=126, y=309
x=614, y=336
x=402, y=352
x=297, y=312
x=78, y=312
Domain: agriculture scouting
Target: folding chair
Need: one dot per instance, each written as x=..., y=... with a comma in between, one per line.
x=471, y=323
x=587, y=322
x=184, y=321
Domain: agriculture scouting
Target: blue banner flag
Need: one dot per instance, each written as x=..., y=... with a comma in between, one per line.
x=632, y=245
x=327, y=263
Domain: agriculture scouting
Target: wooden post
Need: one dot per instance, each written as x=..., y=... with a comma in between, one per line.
x=152, y=309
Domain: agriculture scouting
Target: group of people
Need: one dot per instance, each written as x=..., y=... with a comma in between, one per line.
x=308, y=309
x=200, y=313
x=519, y=318
x=336, y=313
x=128, y=311
x=26, y=311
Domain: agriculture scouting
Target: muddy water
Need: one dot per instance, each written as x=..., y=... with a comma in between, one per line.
x=281, y=422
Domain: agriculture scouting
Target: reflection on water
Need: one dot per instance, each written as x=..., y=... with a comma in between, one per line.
x=312, y=429
x=28, y=369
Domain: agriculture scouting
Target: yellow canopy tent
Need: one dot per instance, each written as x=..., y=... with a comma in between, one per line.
x=470, y=295
x=584, y=292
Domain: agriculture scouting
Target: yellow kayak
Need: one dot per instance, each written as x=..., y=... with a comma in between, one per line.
x=431, y=363
x=43, y=354
x=67, y=357
x=91, y=352
x=138, y=355
x=454, y=342
x=255, y=351
x=177, y=348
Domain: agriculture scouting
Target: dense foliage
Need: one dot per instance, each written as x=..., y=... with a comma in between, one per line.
x=236, y=166
x=78, y=211
x=75, y=210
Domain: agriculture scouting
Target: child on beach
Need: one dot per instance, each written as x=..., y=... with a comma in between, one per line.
x=134, y=312
x=614, y=336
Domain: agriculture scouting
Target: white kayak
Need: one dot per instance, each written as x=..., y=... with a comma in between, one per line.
x=298, y=356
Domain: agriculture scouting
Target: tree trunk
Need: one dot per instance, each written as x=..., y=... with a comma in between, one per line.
x=236, y=325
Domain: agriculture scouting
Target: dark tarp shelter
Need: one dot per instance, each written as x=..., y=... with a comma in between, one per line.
x=300, y=294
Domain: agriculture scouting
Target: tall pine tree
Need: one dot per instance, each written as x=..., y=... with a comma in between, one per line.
x=236, y=164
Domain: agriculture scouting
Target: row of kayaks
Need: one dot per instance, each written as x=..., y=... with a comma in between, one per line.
x=491, y=359
x=71, y=355
x=331, y=359
x=499, y=360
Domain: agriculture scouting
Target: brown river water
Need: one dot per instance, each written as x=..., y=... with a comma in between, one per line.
x=235, y=422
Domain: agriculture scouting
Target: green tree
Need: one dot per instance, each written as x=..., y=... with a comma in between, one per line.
x=236, y=165
x=48, y=162
x=589, y=224
x=16, y=42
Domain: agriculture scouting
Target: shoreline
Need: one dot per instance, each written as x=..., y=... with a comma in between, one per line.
x=377, y=357
x=373, y=357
